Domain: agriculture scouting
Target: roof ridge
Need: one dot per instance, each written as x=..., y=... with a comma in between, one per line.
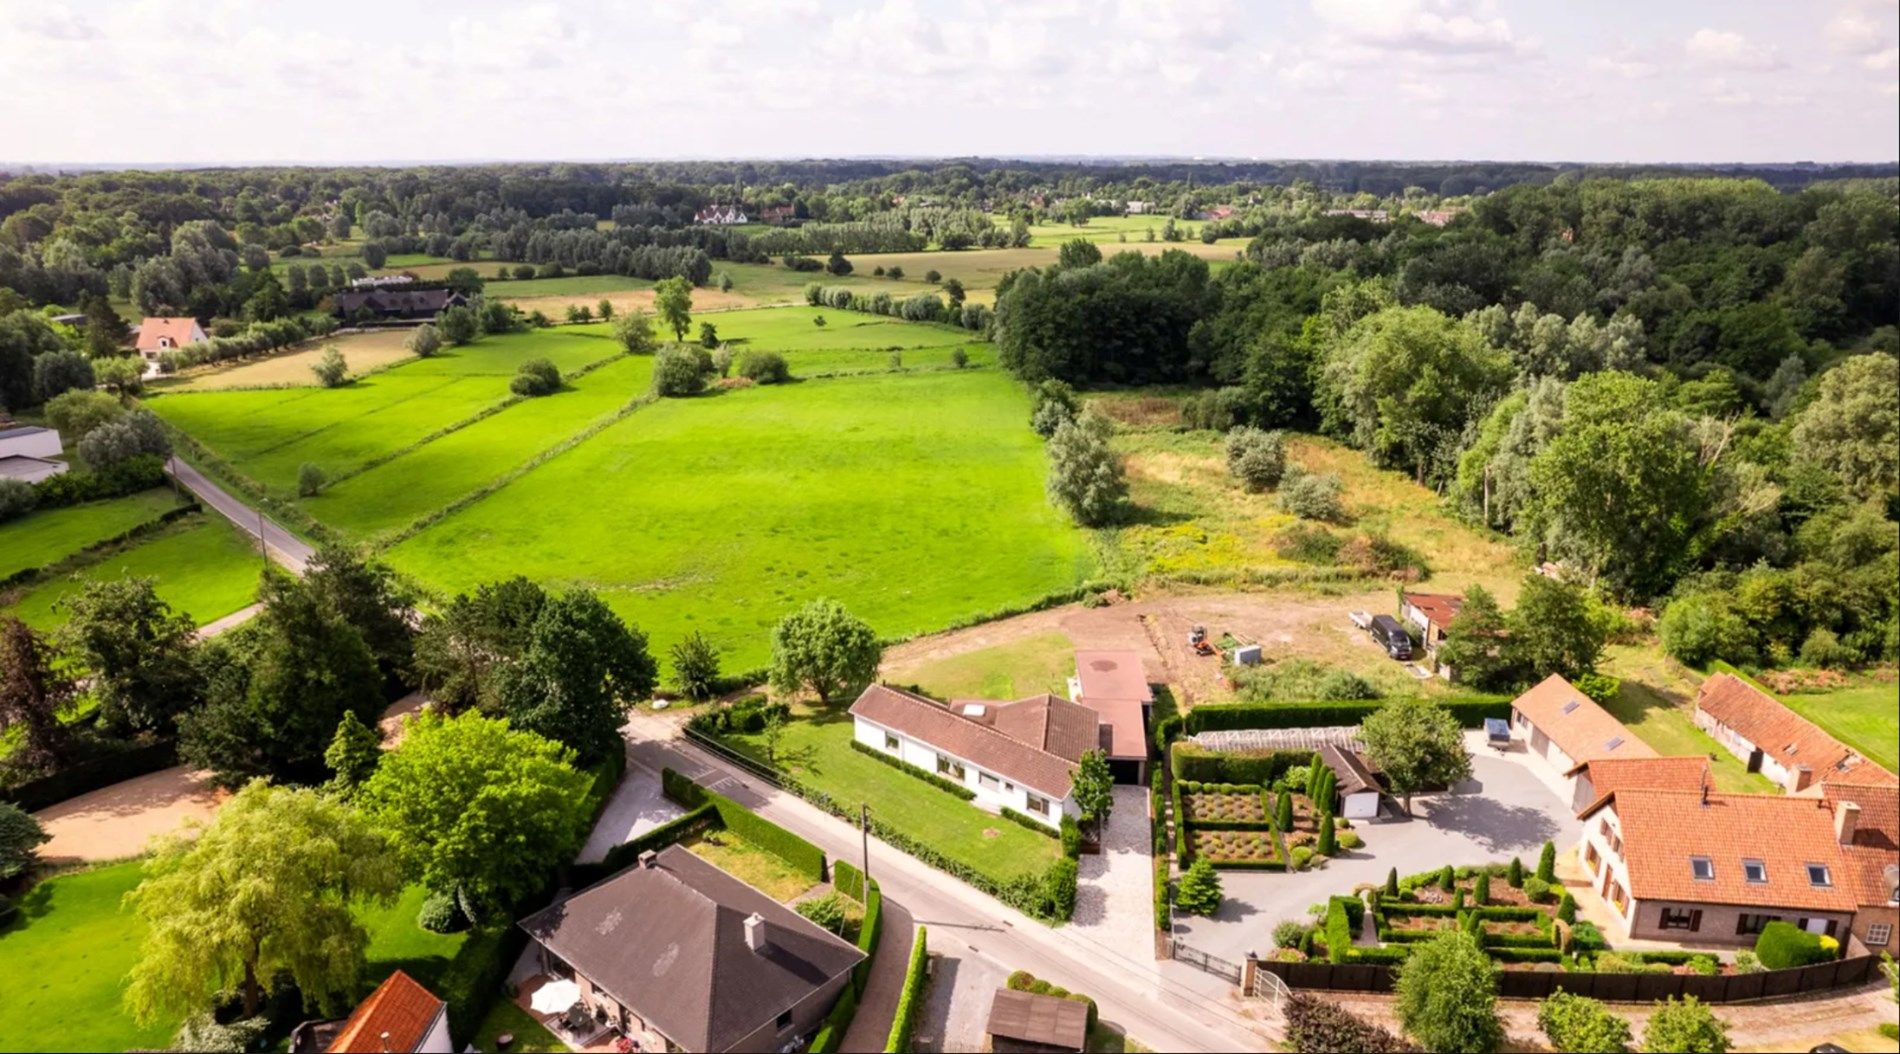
x=1000, y=734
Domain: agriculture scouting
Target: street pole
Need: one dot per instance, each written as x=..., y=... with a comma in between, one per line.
x=263, y=547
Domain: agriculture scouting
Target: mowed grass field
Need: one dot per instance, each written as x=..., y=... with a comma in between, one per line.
x=203, y=567
x=916, y=499
x=1863, y=716
x=67, y=955
x=48, y=536
x=268, y=435
x=364, y=352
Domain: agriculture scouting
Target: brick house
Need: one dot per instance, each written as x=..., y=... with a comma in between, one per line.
x=1774, y=740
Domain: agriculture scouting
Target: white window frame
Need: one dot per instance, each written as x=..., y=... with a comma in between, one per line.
x=891, y=742
x=1827, y=876
x=1879, y=933
x=1697, y=864
x=1752, y=868
x=986, y=781
x=1037, y=804
x=950, y=768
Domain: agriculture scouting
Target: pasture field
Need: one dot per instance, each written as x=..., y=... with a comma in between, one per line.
x=1860, y=715
x=268, y=434
x=915, y=499
x=67, y=956
x=365, y=351
x=203, y=568
x=1109, y=230
x=1041, y=662
x=48, y=536
x=792, y=330
x=394, y=494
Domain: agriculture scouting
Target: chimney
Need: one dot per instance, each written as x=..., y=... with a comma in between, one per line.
x=385, y=1038
x=1705, y=792
x=1803, y=779
x=649, y=859
x=755, y=932
x=1846, y=820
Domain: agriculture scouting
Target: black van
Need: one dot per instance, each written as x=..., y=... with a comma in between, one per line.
x=1391, y=636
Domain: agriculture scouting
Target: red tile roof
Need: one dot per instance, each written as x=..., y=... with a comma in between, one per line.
x=1663, y=829
x=968, y=737
x=1609, y=775
x=1578, y=726
x=180, y=331
x=1046, y=722
x=1112, y=675
x=1440, y=608
x=1782, y=734
x=398, y=1006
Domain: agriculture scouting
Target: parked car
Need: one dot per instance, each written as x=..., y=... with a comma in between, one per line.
x=1391, y=636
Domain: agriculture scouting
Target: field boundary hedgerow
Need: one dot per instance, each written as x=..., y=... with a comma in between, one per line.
x=100, y=549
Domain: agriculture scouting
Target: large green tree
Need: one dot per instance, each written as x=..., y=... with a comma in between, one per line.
x=634, y=331
x=268, y=889
x=1085, y=474
x=1852, y=428
x=1447, y=996
x=478, y=809
x=673, y=299
x=461, y=651
x=581, y=669
x=370, y=598
x=823, y=649
x=1477, y=644
x=35, y=696
x=138, y=650
x=1417, y=744
x=1094, y=789
x=1555, y=628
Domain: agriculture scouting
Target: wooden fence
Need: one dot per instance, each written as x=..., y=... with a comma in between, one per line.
x=1610, y=987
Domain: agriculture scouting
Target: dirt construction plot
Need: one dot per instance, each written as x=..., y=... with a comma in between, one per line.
x=119, y=821
x=1284, y=624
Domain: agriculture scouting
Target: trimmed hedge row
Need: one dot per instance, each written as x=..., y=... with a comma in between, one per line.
x=102, y=770
x=1470, y=710
x=678, y=829
x=804, y=857
x=921, y=773
x=829, y=1039
x=1025, y=821
x=1024, y=981
x=911, y=1002
x=849, y=881
x=1191, y=761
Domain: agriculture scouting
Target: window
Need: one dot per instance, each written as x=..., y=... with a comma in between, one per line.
x=987, y=781
x=1818, y=875
x=890, y=741
x=1590, y=857
x=1702, y=868
x=1682, y=919
x=1614, y=742
x=1039, y=806
x=1879, y=934
x=950, y=767
x=1746, y=924
x=1754, y=871
x=784, y=1021
x=1570, y=706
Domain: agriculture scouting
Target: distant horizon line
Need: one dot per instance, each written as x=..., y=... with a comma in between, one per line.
x=18, y=166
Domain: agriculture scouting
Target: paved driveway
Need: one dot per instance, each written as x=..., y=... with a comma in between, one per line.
x=1507, y=810
x=637, y=807
x=1114, y=896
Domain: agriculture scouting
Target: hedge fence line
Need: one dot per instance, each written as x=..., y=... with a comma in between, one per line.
x=98, y=550
x=1470, y=710
x=942, y=784
x=911, y=1002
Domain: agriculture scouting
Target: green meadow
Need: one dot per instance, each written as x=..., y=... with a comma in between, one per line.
x=48, y=536
x=203, y=567
x=914, y=498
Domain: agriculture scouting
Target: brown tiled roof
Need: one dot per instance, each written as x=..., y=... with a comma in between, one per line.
x=1662, y=829
x=1578, y=726
x=1879, y=824
x=1609, y=775
x=1440, y=608
x=668, y=941
x=156, y=326
x=398, y=1006
x=971, y=739
x=1042, y=1020
x=1781, y=733
x=1112, y=675
x=1354, y=776
x=1048, y=722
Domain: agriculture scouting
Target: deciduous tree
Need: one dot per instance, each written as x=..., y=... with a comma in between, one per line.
x=1094, y=788
x=673, y=299
x=1417, y=744
x=825, y=650
x=580, y=670
x=634, y=331
x=695, y=665
x=35, y=696
x=138, y=650
x=1447, y=996
x=1085, y=474
x=20, y=838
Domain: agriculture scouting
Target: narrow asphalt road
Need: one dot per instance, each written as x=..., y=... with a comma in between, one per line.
x=284, y=547
x=1147, y=999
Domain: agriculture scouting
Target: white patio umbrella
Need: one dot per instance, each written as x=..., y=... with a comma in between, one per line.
x=554, y=997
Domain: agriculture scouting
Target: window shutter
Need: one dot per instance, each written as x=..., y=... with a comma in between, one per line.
x=1695, y=920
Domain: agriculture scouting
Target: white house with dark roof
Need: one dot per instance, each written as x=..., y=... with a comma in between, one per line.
x=1018, y=755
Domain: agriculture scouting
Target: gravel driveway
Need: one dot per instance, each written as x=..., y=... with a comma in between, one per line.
x=637, y=807
x=1114, y=897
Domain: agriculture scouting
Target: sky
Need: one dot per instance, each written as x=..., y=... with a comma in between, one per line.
x=327, y=81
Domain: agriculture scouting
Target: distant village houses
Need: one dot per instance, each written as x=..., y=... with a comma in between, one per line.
x=381, y=305
x=720, y=216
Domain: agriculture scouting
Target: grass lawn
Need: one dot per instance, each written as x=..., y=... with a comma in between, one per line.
x=394, y=494
x=364, y=351
x=575, y=285
x=1667, y=726
x=749, y=863
x=66, y=957
x=915, y=499
x=1862, y=716
x=204, y=568
x=530, y=1037
x=817, y=749
x=794, y=329
x=269, y=435
x=51, y=535
x=1039, y=663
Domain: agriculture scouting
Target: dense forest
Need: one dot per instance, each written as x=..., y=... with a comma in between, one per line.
x=1678, y=384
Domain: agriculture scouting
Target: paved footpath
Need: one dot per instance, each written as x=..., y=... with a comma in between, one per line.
x=1166, y=1006
x=284, y=547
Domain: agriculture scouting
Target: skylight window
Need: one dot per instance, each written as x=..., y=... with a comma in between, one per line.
x=1571, y=705
x=1615, y=741
x=1754, y=871
x=1818, y=875
x=1702, y=868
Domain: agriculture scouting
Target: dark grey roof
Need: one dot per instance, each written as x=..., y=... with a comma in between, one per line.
x=668, y=941
x=1041, y=1021
x=1351, y=769
x=22, y=430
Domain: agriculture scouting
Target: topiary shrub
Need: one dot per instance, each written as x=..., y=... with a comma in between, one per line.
x=1784, y=946
x=1538, y=891
x=442, y=913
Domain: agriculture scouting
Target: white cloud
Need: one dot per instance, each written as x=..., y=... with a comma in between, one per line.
x=1723, y=49
x=1414, y=25
x=1861, y=32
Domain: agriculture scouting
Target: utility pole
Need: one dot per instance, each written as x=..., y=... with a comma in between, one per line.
x=263, y=546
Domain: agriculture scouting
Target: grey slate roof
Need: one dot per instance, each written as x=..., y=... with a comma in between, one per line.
x=668, y=942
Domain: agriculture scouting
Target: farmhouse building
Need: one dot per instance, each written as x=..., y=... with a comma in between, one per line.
x=1564, y=727
x=676, y=954
x=1020, y=755
x=720, y=215
x=776, y=214
x=29, y=453
x=1869, y=816
x=399, y=1017
x=386, y=304
x=158, y=334
x=1774, y=740
x=1596, y=780
x=1115, y=685
x=1710, y=867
